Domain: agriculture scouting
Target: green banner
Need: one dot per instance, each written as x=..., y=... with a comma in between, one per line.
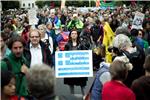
x=109, y=4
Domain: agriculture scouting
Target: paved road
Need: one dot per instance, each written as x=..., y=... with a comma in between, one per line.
x=62, y=89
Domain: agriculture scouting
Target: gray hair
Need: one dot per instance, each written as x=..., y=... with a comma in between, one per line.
x=125, y=60
x=122, y=41
x=41, y=80
x=122, y=30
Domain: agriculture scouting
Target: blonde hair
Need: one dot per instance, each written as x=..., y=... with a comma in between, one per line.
x=125, y=60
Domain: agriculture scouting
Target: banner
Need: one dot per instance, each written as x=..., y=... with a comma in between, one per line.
x=63, y=4
x=77, y=63
x=138, y=20
x=33, y=20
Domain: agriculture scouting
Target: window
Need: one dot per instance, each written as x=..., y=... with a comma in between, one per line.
x=32, y=5
x=29, y=4
x=23, y=5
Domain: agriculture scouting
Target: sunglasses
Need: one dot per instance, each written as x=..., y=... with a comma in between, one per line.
x=34, y=36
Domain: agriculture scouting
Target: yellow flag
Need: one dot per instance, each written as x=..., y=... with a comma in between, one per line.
x=107, y=40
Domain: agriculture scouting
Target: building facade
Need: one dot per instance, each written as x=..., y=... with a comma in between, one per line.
x=27, y=4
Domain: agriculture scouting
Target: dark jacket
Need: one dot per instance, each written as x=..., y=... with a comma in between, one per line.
x=141, y=88
x=137, y=60
x=46, y=55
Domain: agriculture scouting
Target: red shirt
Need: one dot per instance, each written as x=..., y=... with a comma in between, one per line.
x=114, y=90
x=16, y=98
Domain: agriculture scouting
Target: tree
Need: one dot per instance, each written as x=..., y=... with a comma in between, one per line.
x=40, y=4
x=10, y=5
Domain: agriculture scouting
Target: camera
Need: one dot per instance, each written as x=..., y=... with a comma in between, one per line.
x=46, y=41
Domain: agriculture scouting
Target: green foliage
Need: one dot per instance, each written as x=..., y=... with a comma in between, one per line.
x=119, y=3
x=40, y=4
x=10, y=5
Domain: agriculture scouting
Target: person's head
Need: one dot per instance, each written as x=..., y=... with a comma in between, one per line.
x=147, y=63
x=41, y=81
x=42, y=29
x=73, y=35
x=146, y=25
x=8, y=83
x=59, y=15
x=122, y=30
x=100, y=50
x=106, y=17
x=140, y=33
x=16, y=45
x=8, y=28
x=75, y=16
x=34, y=37
x=118, y=70
x=2, y=43
x=49, y=25
x=122, y=42
x=97, y=22
x=134, y=32
x=52, y=13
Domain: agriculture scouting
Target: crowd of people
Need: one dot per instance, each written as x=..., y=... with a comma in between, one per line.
x=120, y=53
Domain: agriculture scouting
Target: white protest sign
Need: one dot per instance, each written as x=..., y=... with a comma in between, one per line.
x=138, y=20
x=76, y=63
x=33, y=20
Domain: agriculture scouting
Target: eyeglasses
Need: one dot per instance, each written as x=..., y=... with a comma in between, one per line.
x=34, y=36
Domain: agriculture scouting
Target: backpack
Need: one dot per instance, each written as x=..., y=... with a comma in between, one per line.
x=9, y=67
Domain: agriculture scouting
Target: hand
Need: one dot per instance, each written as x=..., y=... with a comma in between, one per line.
x=24, y=69
x=57, y=48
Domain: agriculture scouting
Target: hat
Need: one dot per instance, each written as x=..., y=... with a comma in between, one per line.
x=125, y=60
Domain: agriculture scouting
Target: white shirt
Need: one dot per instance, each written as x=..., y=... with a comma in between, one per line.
x=36, y=55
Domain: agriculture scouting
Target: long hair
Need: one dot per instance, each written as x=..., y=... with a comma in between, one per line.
x=70, y=39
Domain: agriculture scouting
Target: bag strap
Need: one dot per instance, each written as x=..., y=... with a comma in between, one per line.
x=8, y=64
x=87, y=96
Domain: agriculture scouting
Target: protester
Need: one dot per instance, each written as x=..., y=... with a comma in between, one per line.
x=45, y=37
x=141, y=86
x=75, y=23
x=141, y=35
x=56, y=23
x=102, y=76
x=74, y=44
x=41, y=83
x=4, y=51
x=8, y=86
x=17, y=64
x=87, y=21
x=36, y=51
x=97, y=33
x=146, y=29
x=136, y=56
x=115, y=88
